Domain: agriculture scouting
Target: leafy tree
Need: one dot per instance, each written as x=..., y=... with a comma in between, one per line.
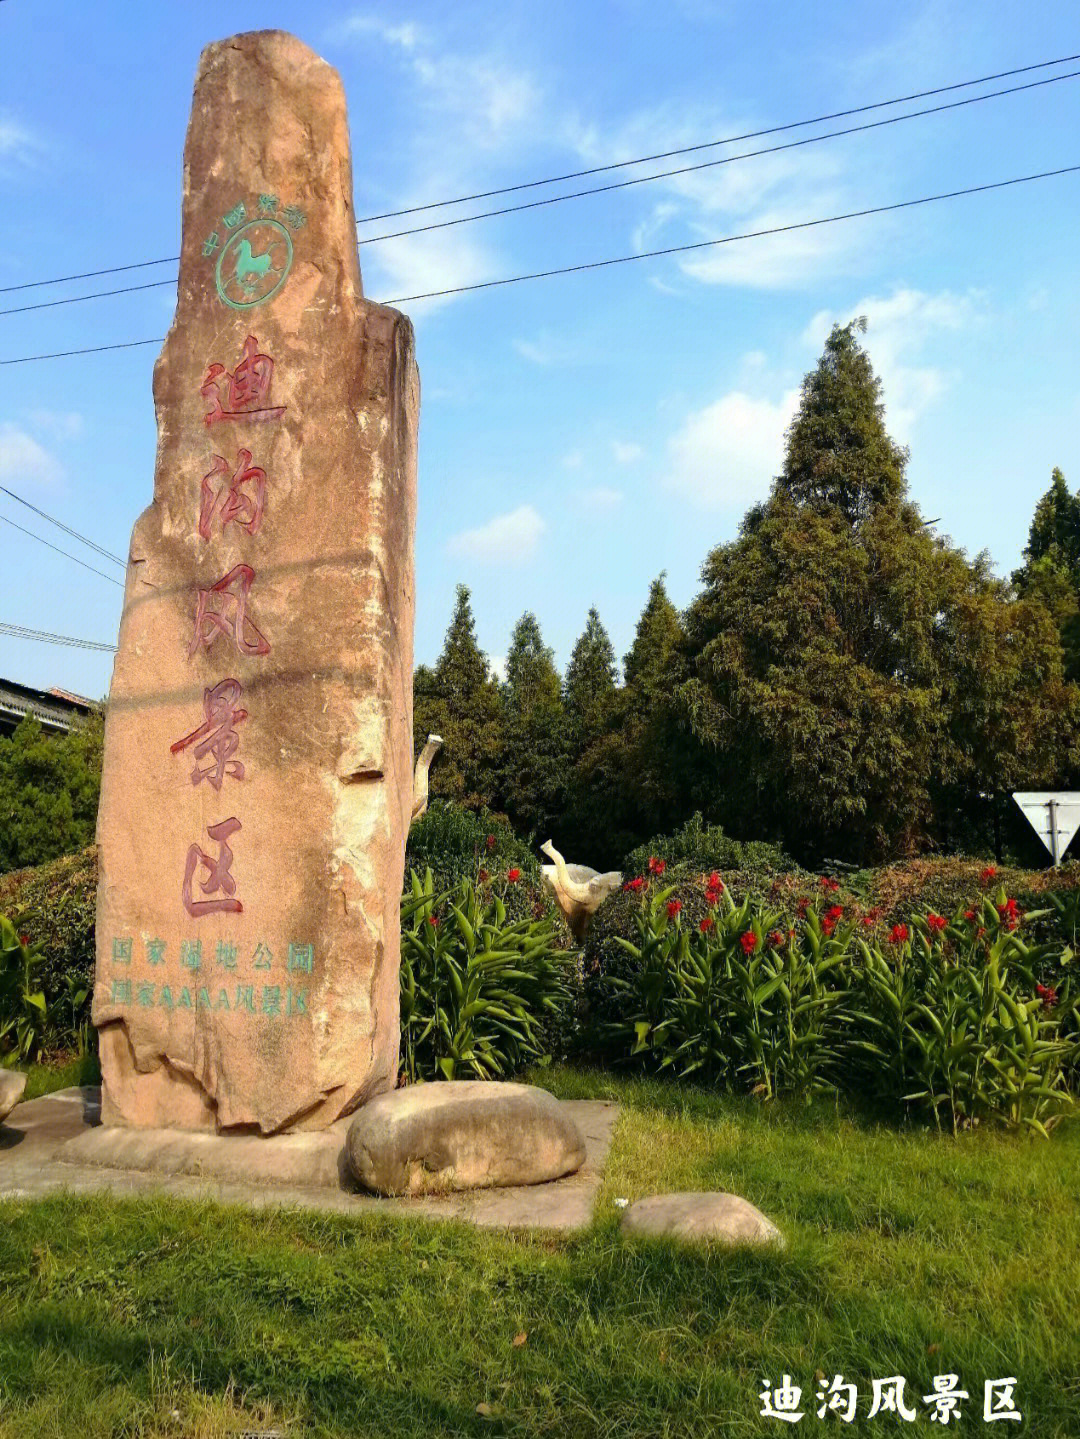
x=849, y=670
x=538, y=751
x=459, y=700
x=49, y=787
x=1051, y=568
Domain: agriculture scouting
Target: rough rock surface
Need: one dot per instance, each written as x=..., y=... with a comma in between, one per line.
x=258, y=749
x=465, y=1134
x=12, y=1084
x=700, y=1217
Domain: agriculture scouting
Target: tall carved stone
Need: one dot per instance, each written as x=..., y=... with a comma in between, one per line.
x=258, y=749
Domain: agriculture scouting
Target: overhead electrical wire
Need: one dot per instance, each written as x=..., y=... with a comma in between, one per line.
x=603, y=169
x=20, y=632
x=92, y=544
x=629, y=259
x=66, y=553
x=596, y=190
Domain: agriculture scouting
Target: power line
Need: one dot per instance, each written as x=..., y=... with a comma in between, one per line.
x=66, y=528
x=20, y=632
x=727, y=140
x=67, y=555
x=600, y=189
x=730, y=239
x=629, y=259
x=600, y=169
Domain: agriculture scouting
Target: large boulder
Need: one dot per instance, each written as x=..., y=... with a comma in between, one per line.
x=462, y=1134
x=699, y=1217
x=12, y=1084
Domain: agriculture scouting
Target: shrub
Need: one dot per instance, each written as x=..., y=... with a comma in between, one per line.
x=944, y=1017
x=482, y=994
x=23, y=1011
x=706, y=847
x=58, y=901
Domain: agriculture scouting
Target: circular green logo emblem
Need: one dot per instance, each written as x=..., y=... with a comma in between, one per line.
x=254, y=263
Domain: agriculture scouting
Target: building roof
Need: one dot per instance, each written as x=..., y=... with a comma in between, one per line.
x=57, y=709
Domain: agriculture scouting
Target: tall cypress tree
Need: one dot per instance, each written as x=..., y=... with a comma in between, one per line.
x=853, y=677
x=537, y=759
x=459, y=699
x=590, y=675
x=1051, y=569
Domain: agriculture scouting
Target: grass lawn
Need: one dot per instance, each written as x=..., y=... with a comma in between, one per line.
x=909, y=1253
x=46, y=1078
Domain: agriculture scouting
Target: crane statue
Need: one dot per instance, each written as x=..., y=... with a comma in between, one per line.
x=579, y=891
x=420, y=775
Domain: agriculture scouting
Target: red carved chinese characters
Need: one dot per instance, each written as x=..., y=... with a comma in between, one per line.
x=217, y=736
x=218, y=873
x=231, y=501
x=223, y=610
x=248, y=390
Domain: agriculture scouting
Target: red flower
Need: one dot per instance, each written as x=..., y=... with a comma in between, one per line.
x=633, y=885
x=433, y=920
x=513, y=875
x=673, y=907
x=834, y=912
x=980, y=932
x=775, y=938
x=969, y=914
x=802, y=906
x=828, y=924
x=830, y=886
x=707, y=923
x=1048, y=995
x=749, y=941
x=714, y=883
x=490, y=841
x=24, y=939
x=656, y=866
x=1010, y=913
x=988, y=874
x=898, y=934
x=484, y=876
x=935, y=923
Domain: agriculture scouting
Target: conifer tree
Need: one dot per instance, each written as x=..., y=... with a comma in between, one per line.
x=1051, y=569
x=460, y=700
x=590, y=675
x=853, y=679
x=538, y=755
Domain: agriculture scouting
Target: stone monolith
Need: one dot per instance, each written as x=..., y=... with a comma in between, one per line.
x=257, y=782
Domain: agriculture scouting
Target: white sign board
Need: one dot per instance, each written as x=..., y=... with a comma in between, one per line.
x=1054, y=815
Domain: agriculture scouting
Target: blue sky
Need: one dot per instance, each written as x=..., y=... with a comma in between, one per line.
x=583, y=433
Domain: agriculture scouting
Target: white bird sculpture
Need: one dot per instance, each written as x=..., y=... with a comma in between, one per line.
x=579, y=891
x=420, y=775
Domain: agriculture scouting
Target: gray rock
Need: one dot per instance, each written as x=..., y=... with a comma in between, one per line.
x=701, y=1217
x=463, y=1134
x=12, y=1084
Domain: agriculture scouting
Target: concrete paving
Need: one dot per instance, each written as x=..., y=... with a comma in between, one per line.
x=56, y=1143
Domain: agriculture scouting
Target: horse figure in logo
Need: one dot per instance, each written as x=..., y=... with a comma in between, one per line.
x=250, y=268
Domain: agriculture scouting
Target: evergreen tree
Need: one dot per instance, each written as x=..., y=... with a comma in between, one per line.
x=851, y=675
x=459, y=700
x=634, y=778
x=538, y=752
x=1051, y=569
x=590, y=676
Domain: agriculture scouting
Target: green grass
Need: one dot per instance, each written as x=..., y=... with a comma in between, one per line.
x=50, y=1075
x=909, y=1253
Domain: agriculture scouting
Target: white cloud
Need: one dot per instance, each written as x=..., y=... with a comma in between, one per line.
x=407, y=36
x=900, y=327
x=17, y=144
x=497, y=665
x=549, y=349
x=60, y=424
x=22, y=458
x=725, y=455
x=573, y=460
x=599, y=501
x=507, y=539
x=736, y=196
x=626, y=454
x=423, y=264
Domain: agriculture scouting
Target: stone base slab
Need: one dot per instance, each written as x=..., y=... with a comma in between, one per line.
x=56, y=1143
